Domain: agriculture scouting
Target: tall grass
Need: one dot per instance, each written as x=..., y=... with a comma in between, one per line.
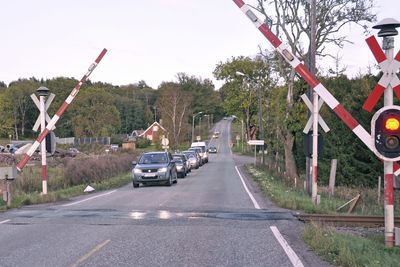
x=351, y=251
x=69, y=177
x=287, y=195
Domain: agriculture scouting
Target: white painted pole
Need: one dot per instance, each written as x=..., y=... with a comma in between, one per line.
x=379, y=189
x=43, y=144
x=314, y=191
x=388, y=46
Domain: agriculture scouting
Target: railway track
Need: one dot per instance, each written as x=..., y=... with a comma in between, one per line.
x=347, y=220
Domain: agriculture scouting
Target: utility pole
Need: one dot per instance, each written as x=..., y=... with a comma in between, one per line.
x=315, y=104
x=260, y=123
x=193, y=116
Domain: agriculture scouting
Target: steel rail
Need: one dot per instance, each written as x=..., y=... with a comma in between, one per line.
x=346, y=220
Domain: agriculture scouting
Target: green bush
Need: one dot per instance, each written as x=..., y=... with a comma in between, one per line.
x=143, y=143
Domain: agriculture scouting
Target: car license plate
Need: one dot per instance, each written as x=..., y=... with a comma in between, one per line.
x=149, y=175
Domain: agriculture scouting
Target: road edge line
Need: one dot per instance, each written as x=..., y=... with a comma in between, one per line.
x=86, y=199
x=294, y=259
x=5, y=221
x=255, y=203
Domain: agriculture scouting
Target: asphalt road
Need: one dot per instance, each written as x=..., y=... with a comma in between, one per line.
x=213, y=217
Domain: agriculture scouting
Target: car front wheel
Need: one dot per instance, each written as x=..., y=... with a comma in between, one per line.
x=169, y=183
x=135, y=185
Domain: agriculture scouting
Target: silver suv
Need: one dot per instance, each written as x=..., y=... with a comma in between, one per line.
x=154, y=167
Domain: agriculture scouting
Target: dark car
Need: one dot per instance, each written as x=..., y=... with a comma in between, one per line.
x=154, y=167
x=181, y=165
x=212, y=149
x=193, y=159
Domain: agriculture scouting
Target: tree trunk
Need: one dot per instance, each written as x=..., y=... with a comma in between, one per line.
x=290, y=163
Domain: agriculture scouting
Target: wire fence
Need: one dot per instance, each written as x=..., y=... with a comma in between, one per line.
x=83, y=140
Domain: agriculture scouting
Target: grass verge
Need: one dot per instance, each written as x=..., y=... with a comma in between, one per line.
x=352, y=251
x=338, y=248
x=21, y=199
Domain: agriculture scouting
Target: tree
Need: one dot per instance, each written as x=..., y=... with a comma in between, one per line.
x=175, y=107
x=239, y=93
x=94, y=114
x=6, y=115
x=2, y=85
x=292, y=24
x=62, y=87
x=18, y=101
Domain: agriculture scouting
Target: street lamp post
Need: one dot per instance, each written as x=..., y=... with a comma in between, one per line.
x=193, y=116
x=260, y=124
x=208, y=122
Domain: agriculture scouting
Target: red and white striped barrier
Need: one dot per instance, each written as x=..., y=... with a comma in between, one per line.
x=21, y=164
x=389, y=69
x=331, y=101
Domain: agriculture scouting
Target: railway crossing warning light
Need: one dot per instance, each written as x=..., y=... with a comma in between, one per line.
x=385, y=131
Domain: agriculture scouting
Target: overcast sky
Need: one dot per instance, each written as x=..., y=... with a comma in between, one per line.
x=149, y=40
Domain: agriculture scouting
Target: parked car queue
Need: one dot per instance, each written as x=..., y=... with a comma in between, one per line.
x=165, y=168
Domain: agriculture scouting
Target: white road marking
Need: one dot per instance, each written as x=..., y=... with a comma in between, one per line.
x=4, y=221
x=294, y=259
x=90, y=198
x=247, y=190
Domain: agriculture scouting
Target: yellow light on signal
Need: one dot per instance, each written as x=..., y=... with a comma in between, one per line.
x=392, y=124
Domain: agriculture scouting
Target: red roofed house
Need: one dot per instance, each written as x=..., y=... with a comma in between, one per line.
x=154, y=133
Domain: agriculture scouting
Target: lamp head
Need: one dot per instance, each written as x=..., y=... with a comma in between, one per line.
x=43, y=91
x=387, y=27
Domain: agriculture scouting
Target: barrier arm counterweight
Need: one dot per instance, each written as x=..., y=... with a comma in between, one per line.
x=329, y=99
x=21, y=164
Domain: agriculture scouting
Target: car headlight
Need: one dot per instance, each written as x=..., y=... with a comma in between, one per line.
x=179, y=167
x=137, y=171
x=164, y=169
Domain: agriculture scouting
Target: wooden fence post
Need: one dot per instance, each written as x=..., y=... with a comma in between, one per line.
x=332, y=177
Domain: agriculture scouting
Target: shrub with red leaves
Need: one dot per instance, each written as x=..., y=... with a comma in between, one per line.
x=84, y=171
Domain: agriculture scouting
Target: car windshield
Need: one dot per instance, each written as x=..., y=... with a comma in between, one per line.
x=178, y=159
x=153, y=159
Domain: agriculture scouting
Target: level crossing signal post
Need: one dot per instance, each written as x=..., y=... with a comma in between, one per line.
x=43, y=92
x=385, y=124
x=390, y=68
x=21, y=164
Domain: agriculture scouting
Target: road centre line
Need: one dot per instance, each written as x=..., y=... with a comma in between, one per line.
x=5, y=221
x=90, y=198
x=247, y=190
x=90, y=253
x=294, y=259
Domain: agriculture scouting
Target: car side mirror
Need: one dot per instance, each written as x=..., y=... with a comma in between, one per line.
x=134, y=163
